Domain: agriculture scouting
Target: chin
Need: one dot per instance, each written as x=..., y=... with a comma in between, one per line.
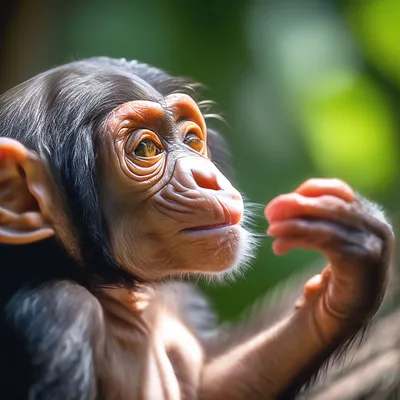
x=221, y=253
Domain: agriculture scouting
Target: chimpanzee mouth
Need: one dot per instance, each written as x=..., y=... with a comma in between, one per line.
x=209, y=228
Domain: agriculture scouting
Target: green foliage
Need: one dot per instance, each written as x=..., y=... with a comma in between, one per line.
x=309, y=88
x=351, y=132
x=376, y=25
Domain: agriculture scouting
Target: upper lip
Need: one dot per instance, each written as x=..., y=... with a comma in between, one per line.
x=229, y=219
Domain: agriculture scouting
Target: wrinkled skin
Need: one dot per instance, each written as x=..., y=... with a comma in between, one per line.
x=324, y=215
x=182, y=205
x=184, y=192
x=169, y=211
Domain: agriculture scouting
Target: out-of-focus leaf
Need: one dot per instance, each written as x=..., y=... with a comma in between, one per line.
x=377, y=25
x=351, y=132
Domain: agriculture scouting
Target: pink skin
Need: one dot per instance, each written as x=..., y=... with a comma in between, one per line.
x=282, y=211
x=182, y=205
x=324, y=215
x=201, y=190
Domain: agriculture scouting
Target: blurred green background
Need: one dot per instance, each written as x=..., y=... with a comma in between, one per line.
x=309, y=88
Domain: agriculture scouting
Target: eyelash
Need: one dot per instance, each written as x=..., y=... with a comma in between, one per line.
x=193, y=141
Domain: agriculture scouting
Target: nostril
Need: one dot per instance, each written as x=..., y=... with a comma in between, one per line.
x=206, y=180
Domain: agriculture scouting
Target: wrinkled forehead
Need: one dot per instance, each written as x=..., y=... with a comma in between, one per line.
x=171, y=109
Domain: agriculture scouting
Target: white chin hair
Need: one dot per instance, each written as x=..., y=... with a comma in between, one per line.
x=245, y=253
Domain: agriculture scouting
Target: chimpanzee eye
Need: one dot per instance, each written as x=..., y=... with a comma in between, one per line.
x=194, y=142
x=146, y=148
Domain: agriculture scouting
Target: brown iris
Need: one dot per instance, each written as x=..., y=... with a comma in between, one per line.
x=194, y=142
x=146, y=148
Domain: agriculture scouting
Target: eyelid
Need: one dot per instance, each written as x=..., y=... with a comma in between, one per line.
x=187, y=127
x=194, y=136
x=137, y=135
x=194, y=130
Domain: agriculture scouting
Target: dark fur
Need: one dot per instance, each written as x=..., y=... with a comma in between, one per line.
x=46, y=318
x=58, y=114
x=46, y=346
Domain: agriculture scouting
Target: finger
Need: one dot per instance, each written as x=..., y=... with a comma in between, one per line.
x=331, y=239
x=316, y=187
x=328, y=208
x=282, y=246
x=294, y=205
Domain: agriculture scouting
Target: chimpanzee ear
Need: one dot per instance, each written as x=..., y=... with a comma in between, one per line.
x=24, y=195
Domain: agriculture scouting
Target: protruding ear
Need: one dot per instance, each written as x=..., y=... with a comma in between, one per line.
x=24, y=195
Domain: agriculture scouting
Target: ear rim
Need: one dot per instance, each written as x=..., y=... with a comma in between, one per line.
x=28, y=226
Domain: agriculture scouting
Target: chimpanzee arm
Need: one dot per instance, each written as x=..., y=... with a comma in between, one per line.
x=323, y=215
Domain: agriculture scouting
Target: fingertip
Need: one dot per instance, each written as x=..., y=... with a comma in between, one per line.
x=276, y=229
x=281, y=207
x=313, y=284
x=316, y=187
x=280, y=247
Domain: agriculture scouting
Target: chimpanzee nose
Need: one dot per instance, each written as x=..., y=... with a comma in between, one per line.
x=201, y=173
x=206, y=179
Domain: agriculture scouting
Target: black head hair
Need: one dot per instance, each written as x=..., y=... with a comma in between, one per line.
x=58, y=114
